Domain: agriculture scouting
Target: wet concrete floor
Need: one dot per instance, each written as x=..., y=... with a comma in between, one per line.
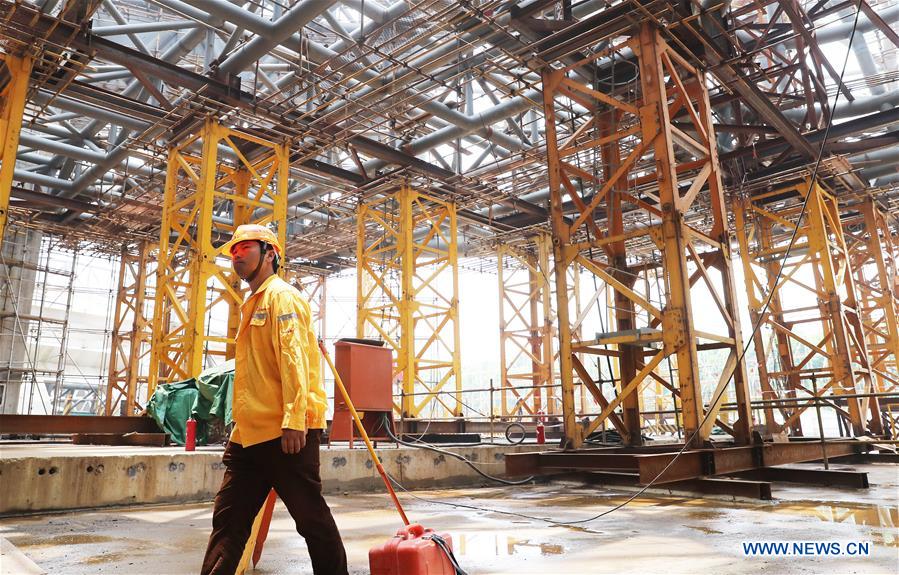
x=659, y=533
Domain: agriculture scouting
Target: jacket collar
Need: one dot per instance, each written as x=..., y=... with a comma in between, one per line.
x=260, y=293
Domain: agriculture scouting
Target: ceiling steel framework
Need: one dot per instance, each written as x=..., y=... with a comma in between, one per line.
x=446, y=93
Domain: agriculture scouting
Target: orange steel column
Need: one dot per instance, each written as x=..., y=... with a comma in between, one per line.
x=12, y=106
x=816, y=312
x=628, y=165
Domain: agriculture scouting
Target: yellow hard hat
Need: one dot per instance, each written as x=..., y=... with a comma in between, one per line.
x=253, y=232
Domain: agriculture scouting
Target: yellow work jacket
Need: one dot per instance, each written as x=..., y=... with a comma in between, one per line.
x=277, y=366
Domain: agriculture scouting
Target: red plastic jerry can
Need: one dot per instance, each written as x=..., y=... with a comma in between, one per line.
x=410, y=552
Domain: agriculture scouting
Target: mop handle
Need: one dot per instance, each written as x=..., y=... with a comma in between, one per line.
x=371, y=449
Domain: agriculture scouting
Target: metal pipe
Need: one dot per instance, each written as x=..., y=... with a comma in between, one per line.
x=108, y=116
x=60, y=148
x=143, y=27
x=866, y=63
x=298, y=16
x=117, y=16
x=174, y=53
x=370, y=9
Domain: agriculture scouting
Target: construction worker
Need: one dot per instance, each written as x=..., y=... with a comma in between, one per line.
x=279, y=413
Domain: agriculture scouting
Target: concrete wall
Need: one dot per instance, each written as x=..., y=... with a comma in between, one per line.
x=38, y=478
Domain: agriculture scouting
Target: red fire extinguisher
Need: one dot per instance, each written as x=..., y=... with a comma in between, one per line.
x=541, y=430
x=190, y=441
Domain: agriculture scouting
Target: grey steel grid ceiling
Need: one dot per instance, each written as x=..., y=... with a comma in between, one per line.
x=442, y=93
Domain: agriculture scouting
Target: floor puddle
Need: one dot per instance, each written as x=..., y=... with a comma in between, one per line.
x=497, y=545
x=859, y=514
x=66, y=539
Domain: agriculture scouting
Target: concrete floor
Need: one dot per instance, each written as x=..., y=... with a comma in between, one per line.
x=658, y=533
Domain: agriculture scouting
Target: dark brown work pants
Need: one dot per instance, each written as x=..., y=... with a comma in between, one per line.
x=250, y=474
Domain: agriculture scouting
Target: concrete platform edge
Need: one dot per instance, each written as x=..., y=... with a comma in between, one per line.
x=70, y=478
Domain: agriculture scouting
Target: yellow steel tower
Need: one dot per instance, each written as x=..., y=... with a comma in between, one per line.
x=814, y=313
x=217, y=179
x=408, y=285
x=131, y=334
x=874, y=254
x=526, y=328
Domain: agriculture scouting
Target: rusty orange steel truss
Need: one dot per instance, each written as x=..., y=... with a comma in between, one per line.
x=813, y=342
x=629, y=163
x=874, y=254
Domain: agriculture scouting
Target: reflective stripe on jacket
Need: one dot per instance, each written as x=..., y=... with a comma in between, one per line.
x=277, y=366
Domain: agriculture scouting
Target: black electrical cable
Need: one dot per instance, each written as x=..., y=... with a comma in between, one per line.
x=508, y=432
x=429, y=447
x=474, y=507
x=444, y=546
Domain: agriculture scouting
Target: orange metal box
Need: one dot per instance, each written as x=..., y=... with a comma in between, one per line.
x=367, y=373
x=408, y=553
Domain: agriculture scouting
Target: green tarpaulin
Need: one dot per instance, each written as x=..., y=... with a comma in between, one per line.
x=205, y=397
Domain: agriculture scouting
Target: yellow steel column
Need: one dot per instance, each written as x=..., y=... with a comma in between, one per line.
x=543, y=243
x=130, y=344
x=195, y=281
x=630, y=356
x=535, y=341
x=363, y=287
x=505, y=334
x=419, y=317
x=839, y=301
x=166, y=299
x=241, y=214
x=678, y=334
x=453, y=311
x=202, y=267
x=407, y=358
x=12, y=106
